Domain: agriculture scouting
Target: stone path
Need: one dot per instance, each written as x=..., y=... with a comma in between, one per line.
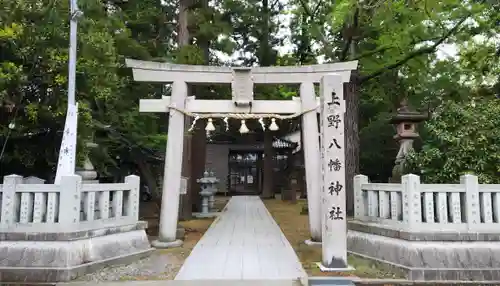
x=193, y=283
x=243, y=243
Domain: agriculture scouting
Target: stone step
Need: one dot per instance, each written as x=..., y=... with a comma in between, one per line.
x=192, y=283
x=326, y=281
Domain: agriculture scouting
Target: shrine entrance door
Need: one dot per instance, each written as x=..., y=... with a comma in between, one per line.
x=245, y=169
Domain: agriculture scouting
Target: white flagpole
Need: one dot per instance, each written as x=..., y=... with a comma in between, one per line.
x=75, y=13
x=67, y=152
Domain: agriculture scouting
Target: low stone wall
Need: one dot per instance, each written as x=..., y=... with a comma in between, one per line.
x=55, y=255
x=451, y=259
x=57, y=232
x=429, y=231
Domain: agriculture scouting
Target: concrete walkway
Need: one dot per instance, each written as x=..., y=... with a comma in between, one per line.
x=243, y=243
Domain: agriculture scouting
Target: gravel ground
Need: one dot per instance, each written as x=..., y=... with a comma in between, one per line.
x=158, y=266
x=161, y=264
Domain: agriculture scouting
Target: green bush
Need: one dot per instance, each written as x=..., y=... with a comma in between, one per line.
x=460, y=138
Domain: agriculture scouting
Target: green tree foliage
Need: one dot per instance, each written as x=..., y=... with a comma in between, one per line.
x=461, y=137
x=395, y=42
x=33, y=80
x=255, y=26
x=34, y=73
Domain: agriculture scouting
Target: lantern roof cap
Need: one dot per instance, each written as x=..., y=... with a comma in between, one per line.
x=406, y=114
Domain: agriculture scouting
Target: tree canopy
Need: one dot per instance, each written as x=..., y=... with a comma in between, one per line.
x=401, y=47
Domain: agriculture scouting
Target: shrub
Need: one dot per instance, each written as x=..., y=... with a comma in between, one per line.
x=460, y=138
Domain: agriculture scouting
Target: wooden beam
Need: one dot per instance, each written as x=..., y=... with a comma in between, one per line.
x=225, y=106
x=147, y=71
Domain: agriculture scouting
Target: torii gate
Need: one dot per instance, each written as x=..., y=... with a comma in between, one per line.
x=242, y=80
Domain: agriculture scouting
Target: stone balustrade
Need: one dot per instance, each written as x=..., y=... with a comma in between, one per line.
x=412, y=206
x=68, y=203
x=57, y=232
x=429, y=231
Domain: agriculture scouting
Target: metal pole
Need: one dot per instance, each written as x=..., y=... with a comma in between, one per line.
x=67, y=151
x=74, y=15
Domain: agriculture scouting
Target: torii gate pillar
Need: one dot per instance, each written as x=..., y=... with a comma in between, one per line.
x=312, y=159
x=242, y=81
x=172, y=171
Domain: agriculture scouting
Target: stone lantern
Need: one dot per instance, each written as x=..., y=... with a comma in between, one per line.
x=406, y=122
x=88, y=173
x=207, y=184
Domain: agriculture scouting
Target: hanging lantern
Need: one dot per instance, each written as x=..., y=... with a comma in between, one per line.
x=210, y=125
x=261, y=121
x=226, y=122
x=273, y=126
x=243, y=127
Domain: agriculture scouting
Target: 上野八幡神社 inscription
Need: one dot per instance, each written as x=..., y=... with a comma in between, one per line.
x=334, y=233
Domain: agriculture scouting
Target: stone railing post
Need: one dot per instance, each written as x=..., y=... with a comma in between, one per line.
x=472, y=215
x=412, y=212
x=70, y=196
x=10, y=202
x=359, y=201
x=132, y=203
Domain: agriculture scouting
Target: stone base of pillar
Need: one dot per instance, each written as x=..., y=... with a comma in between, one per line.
x=206, y=215
x=167, y=244
x=311, y=242
x=45, y=255
x=328, y=269
x=420, y=255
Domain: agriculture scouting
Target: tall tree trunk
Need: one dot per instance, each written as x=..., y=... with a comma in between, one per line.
x=289, y=192
x=199, y=144
x=185, y=207
x=149, y=178
x=351, y=139
x=268, y=190
x=351, y=117
x=183, y=20
x=198, y=153
x=265, y=59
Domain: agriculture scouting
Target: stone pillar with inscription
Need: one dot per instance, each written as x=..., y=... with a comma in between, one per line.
x=334, y=224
